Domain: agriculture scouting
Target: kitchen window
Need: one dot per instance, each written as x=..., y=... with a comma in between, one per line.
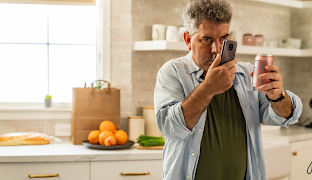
x=49, y=49
x=45, y=49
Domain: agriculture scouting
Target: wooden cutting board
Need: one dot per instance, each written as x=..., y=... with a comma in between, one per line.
x=152, y=147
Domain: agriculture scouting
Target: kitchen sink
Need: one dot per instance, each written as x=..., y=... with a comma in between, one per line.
x=277, y=160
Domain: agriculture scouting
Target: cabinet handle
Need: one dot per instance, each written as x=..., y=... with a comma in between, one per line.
x=134, y=174
x=43, y=176
x=295, y=153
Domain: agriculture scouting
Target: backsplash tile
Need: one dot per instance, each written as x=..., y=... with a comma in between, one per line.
x=41, y=126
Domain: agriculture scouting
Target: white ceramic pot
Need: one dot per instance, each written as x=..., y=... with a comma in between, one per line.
x=172, y=33
x=135, y=127
x=47, y=102
x=159, y=32
x=151, y=128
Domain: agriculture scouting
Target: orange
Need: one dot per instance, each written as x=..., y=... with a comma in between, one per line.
x=93, y=136
x=110, y=141
x=107, y=126
x=121, y=137
x=103, y=136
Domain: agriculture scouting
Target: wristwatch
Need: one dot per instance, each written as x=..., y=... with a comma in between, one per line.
x=282, y=96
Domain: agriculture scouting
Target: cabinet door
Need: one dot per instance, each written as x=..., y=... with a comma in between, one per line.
x=148, y=170
x=65, y=170
x=300, y=160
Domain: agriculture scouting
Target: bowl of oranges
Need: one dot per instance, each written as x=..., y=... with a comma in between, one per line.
x=108, y=137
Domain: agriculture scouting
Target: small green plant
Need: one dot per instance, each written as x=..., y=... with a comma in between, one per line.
x=48, y=97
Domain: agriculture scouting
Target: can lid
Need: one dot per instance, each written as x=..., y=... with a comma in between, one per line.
x=263, y=54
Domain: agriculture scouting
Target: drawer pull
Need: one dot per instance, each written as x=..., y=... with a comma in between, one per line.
x=134, y=174
x=43, y=176
x=295, y=153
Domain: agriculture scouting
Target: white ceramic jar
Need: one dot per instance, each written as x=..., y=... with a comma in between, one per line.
x=135, y=127
x=151, y=128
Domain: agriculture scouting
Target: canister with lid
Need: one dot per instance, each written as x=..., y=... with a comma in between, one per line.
x=135, y=127
x=151, y=128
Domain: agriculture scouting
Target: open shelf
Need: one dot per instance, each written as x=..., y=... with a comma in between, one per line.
x=248, y=50
x=289, y=3
x=253, y=50
x=159, y=45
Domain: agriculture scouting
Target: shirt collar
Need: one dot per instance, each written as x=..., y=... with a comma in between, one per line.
x=191, y=66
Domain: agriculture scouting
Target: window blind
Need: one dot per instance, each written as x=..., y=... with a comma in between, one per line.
x=52, y=2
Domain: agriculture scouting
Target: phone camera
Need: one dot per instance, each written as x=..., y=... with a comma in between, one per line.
x=230, y=46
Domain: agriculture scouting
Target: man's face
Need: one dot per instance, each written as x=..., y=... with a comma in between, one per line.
x=207, y=42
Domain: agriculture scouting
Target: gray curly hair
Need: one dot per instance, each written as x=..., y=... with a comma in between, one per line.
x=197, y=11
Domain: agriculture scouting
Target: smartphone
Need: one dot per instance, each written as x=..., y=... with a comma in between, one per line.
x=228, y=51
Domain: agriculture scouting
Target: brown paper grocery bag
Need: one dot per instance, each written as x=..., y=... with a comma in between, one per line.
x=90, y=107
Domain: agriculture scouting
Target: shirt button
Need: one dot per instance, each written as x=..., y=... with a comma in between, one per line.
x=193, y=154
x=188, y=176
x=199, y=130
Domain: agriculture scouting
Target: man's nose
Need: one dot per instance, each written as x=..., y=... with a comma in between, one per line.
x=216, y=47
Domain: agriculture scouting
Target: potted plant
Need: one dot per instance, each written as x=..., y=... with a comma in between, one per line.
x=48, y=100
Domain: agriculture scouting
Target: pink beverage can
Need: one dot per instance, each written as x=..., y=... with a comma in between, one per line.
x=261, y=61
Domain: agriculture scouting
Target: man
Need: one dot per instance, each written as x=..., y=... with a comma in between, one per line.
x=210, y=114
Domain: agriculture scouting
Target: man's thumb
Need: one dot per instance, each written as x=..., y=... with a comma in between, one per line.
x=216, y=62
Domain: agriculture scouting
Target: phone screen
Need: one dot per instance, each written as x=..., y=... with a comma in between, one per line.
x=228, y=51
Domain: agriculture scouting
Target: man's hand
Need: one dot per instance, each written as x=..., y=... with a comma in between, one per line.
x=272, y=89
x=220, y=78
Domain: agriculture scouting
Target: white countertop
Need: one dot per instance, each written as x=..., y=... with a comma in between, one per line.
x=66, y=151
x=287, y=135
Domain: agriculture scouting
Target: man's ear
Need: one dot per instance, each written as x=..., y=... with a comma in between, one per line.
x=187, y=39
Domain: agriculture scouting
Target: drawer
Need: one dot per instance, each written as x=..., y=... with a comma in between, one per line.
x=65, y=170
x=112, y=170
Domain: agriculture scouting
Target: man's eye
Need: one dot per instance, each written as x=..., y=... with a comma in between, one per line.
x=206, y=40
x=222, y=39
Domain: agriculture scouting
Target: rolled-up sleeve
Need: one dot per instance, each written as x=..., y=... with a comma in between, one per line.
x=168, y=98
x=270, y=117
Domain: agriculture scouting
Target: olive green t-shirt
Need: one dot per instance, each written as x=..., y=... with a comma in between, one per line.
x=223, y=150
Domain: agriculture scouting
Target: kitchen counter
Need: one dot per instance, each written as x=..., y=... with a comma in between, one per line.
x=287, y=135
x=66, y=151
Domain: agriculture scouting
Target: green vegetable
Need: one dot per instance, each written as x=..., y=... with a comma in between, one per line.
x=147, y=141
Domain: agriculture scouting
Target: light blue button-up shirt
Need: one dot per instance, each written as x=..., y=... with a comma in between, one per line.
x=176, y=80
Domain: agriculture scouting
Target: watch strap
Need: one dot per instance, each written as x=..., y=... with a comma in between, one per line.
x=278, y=99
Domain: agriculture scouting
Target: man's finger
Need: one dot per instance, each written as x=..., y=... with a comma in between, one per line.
x=273, y=76
x=230, y=64
x=216, y=62
x=271, y=85
x=272, y=68
x=233, y=69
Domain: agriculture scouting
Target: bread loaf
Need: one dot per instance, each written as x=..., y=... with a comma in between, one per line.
x=14, y=139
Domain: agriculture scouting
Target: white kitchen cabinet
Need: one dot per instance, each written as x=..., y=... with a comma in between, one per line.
x=64, y=170
x=300, y=160
x=148, y=170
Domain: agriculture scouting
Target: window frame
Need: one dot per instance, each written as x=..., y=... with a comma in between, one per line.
x=37, y=111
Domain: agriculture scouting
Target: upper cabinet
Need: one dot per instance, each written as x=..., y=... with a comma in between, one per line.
x=289, y=3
